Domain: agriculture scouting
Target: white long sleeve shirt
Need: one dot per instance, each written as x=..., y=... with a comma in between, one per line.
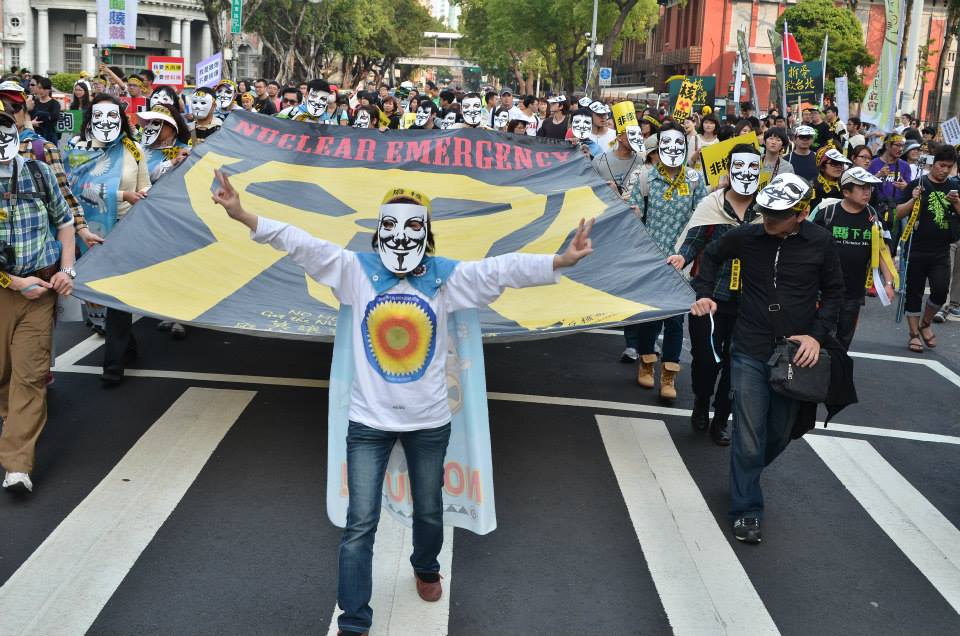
x=400, y=336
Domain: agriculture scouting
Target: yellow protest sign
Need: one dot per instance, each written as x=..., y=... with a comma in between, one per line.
x=624, y=114
x=685, y=100
x=714, y=158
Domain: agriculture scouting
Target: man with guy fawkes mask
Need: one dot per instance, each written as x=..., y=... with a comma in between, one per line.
x=314, y=106
x=35, y=221
x=792, y=289
x=396, y=304
x=426, y=116
x=205, y=120
x=718, y=213
x=471, y=109
x=579, y=133
x=666, y=196
x=618, y=162
x=226, y=97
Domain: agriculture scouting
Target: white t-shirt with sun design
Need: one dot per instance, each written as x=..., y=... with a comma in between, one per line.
x=400, y=336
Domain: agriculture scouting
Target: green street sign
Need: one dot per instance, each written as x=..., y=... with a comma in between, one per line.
x=236, y=16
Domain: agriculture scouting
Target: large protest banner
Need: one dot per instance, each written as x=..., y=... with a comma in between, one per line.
x=177, y=255
x=880, y=103
x=804, y=82
x=702, y=90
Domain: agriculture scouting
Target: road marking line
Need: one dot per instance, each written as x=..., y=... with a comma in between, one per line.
x=80, y=351
x=921, y=532
x=62, y=587
x=701, y=583
x=203, y=377
x=502, y=397
x=397, y=609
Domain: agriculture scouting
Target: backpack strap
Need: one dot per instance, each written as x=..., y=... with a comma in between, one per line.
x=39, y=181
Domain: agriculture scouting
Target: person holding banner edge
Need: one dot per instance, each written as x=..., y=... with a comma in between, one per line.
x=409, y=293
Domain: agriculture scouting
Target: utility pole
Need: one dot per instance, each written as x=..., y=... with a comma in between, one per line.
x=593, y=49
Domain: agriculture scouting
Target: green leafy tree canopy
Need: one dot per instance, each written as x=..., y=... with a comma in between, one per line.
x=810, y=20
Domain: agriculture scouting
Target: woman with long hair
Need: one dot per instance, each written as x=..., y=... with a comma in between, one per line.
x=107, y=170
x=81, y=96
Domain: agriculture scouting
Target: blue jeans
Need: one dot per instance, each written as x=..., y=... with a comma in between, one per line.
x=762, y=422
x=368, y=450
x=646, y=337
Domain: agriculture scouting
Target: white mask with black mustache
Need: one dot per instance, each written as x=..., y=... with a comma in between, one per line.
x=201, y=104
x=422, y=116
x=635, y=139
x=501, y=120
x=316, y=102
x=471, y=110
x=744, y=172
x=225, y=97
x=151, y=131
x=673, y=148
x=362, y=120
x=581, y=125
x=9, y=142
x=105, y=122
x=161, y=98
x=402, y=236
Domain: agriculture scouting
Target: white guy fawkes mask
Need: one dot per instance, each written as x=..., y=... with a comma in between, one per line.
x=501, y=120
x=581, y=125
x=471, y=110
x=448, y=120
x=635, y=139
x=9, y=142
x=673, y=148
x=225, y=96
x=362, y=120
x=423, y=115
x=402, y=236
x=201, y=104
x=105, y=122
x=316, y=103
x=151, y=131
x=744, y=172
x=161, y=98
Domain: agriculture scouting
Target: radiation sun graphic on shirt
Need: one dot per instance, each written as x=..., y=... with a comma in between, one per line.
x=399, y=332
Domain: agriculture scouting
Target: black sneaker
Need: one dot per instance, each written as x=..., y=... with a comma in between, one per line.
x=700, y=418
x=747, y=529
x=720, y=429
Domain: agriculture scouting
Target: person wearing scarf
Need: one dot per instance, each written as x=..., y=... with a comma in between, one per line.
x=710, y=340
x=107, y=171
x=831, y=164
x=389, y=379
x=665, y=197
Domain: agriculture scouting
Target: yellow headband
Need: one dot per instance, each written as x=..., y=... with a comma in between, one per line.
x=404, y=193
x=136, y=81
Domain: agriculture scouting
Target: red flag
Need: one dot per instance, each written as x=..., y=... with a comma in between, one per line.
x=791, y=52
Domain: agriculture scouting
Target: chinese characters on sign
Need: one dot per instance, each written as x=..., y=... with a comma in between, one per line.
x=714, y=158
x=706, y=88
x=686, y=98
x=116, y=23
x=168, y=71
x=236, y=16
x=804, y=82
x=209, y=71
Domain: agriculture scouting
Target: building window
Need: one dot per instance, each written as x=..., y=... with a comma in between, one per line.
x=72, y=53
x=128, y=62
x=15, y=22
x=248, y=62
x=15, y=56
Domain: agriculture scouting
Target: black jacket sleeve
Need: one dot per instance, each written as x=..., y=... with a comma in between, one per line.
x=714, y=256
x=831, y=293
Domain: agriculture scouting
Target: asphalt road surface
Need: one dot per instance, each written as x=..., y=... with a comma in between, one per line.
x=191, y=500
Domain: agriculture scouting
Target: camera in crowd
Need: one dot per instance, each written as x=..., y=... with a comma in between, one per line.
x=7, y=257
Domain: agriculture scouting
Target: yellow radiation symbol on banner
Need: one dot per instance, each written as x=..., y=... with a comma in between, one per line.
x=187, y=286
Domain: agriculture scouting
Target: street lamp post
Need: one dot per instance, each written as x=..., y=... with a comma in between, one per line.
x=593, y=49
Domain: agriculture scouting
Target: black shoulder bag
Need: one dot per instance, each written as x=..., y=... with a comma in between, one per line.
x=806, y=384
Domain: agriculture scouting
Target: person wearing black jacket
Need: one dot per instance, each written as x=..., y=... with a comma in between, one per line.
x=787, y=266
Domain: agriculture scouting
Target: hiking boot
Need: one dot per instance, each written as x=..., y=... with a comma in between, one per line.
x=668, y=377
x=645, y=374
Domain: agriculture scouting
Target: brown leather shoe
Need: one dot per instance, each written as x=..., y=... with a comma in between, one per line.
x=430, y=592
x=645, y=376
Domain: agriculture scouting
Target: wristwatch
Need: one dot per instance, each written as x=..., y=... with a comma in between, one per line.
x=69, y=271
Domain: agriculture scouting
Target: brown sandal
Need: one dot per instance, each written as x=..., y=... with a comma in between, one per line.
x=931, y=342
x=915, y=343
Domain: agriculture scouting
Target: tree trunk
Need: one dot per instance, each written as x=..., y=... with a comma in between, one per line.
x=906, y=38
x=611, y=39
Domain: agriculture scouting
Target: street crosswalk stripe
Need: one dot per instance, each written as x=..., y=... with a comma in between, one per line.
x=397, y=609
x=62, y=587
x=702, y=585
x=921, y=531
